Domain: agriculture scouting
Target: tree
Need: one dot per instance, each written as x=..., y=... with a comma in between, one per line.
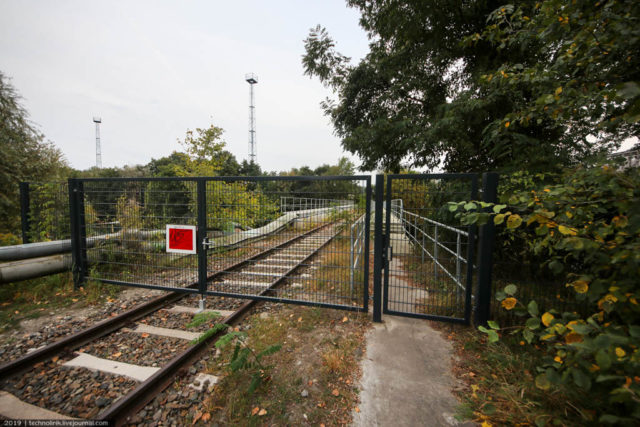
x=26, y=156
x=422, y=95
x=205, y=151
x=586, y=71
x=249, y=169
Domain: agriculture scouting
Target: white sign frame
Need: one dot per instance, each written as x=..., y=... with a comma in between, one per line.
x=181, y=227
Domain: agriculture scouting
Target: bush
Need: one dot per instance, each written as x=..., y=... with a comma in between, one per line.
x=587, y=230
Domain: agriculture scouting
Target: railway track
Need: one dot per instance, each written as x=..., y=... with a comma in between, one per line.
x=102, y=352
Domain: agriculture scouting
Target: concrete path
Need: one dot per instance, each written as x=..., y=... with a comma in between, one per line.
x=406, y=377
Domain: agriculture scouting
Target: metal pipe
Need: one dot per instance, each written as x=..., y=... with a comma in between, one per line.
x=34, y=267
x=40, y=249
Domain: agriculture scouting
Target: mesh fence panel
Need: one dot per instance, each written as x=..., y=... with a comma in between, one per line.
x=256, y=245
x=125, y=223
x=428, y=270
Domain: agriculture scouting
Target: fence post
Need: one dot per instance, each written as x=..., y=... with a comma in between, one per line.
x=78, y=233
x=378, y=250
x=201, y=235
x=458, y=263
x=367, y=227
x=351, y=267
x=25, y=211
x=485, y=253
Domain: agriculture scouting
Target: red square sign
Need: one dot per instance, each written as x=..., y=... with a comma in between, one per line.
x=181, y=239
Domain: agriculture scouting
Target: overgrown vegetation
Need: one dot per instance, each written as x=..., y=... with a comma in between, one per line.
x=586, y=229
x=310, y=379
x=483, y=85
x=34, y=298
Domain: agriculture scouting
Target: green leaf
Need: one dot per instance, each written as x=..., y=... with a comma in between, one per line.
x=605, y=378
x=609, y=419
x=528, y=335
x=498, y=208
x=453, y=206
x=634, y=331
x=542, y=382
x=532, y=323
x=256, y=380
x=556, y=266
x=491, y=334
x=580, y=379
x=510, y=289
x=603, y=359
x=493, y=324
x=532, y=308
x=498, y=219
x=471, y=205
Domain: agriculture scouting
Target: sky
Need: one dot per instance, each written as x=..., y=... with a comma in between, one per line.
x=153, y=69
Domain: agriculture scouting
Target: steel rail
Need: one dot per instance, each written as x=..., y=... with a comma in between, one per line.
x=119, y=413
x=105, y=327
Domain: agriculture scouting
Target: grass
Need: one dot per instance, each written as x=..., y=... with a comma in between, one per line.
x=499, y=384
x=33, y=298
x=320, y=353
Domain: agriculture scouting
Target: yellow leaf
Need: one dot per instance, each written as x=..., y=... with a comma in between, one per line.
x=118, y=354
x=580, y=286
x=144, y=335
x=507, y=124
x=558, y=359
x=509, y=303
x=299, y=319
x=262, y=412
x=357, y=409
x=344, y=319
x=486, y=424
x=514, y=221
x=620, y=352
x=567, y=231
x=335, y=392
x=547, y=318
x=558, y=90
x=206, y=417
x=255, y=410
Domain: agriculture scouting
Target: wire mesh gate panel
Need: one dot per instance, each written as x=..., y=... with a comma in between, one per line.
x=303, y=240
x=429, y=255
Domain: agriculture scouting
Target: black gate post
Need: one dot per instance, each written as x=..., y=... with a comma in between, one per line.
x=367, y=232
x=25, y=211
x=201, y=235
x=485, y=253
x=77, y=261
x=378, y=250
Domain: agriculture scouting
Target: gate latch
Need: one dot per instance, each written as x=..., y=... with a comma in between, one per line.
x=206, y=243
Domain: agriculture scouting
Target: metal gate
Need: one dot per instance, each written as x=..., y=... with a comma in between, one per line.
x=425, y=259
x=302, y=240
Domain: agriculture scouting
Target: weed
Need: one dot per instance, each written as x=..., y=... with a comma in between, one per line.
x=244, y=358
x=203, y=317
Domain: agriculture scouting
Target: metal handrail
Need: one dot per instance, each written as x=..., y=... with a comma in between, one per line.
x=398, y=211
x=289, y=204
x=357, y=240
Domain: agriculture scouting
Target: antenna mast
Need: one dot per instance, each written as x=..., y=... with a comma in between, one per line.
x=252, y=79
x=97, y=121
